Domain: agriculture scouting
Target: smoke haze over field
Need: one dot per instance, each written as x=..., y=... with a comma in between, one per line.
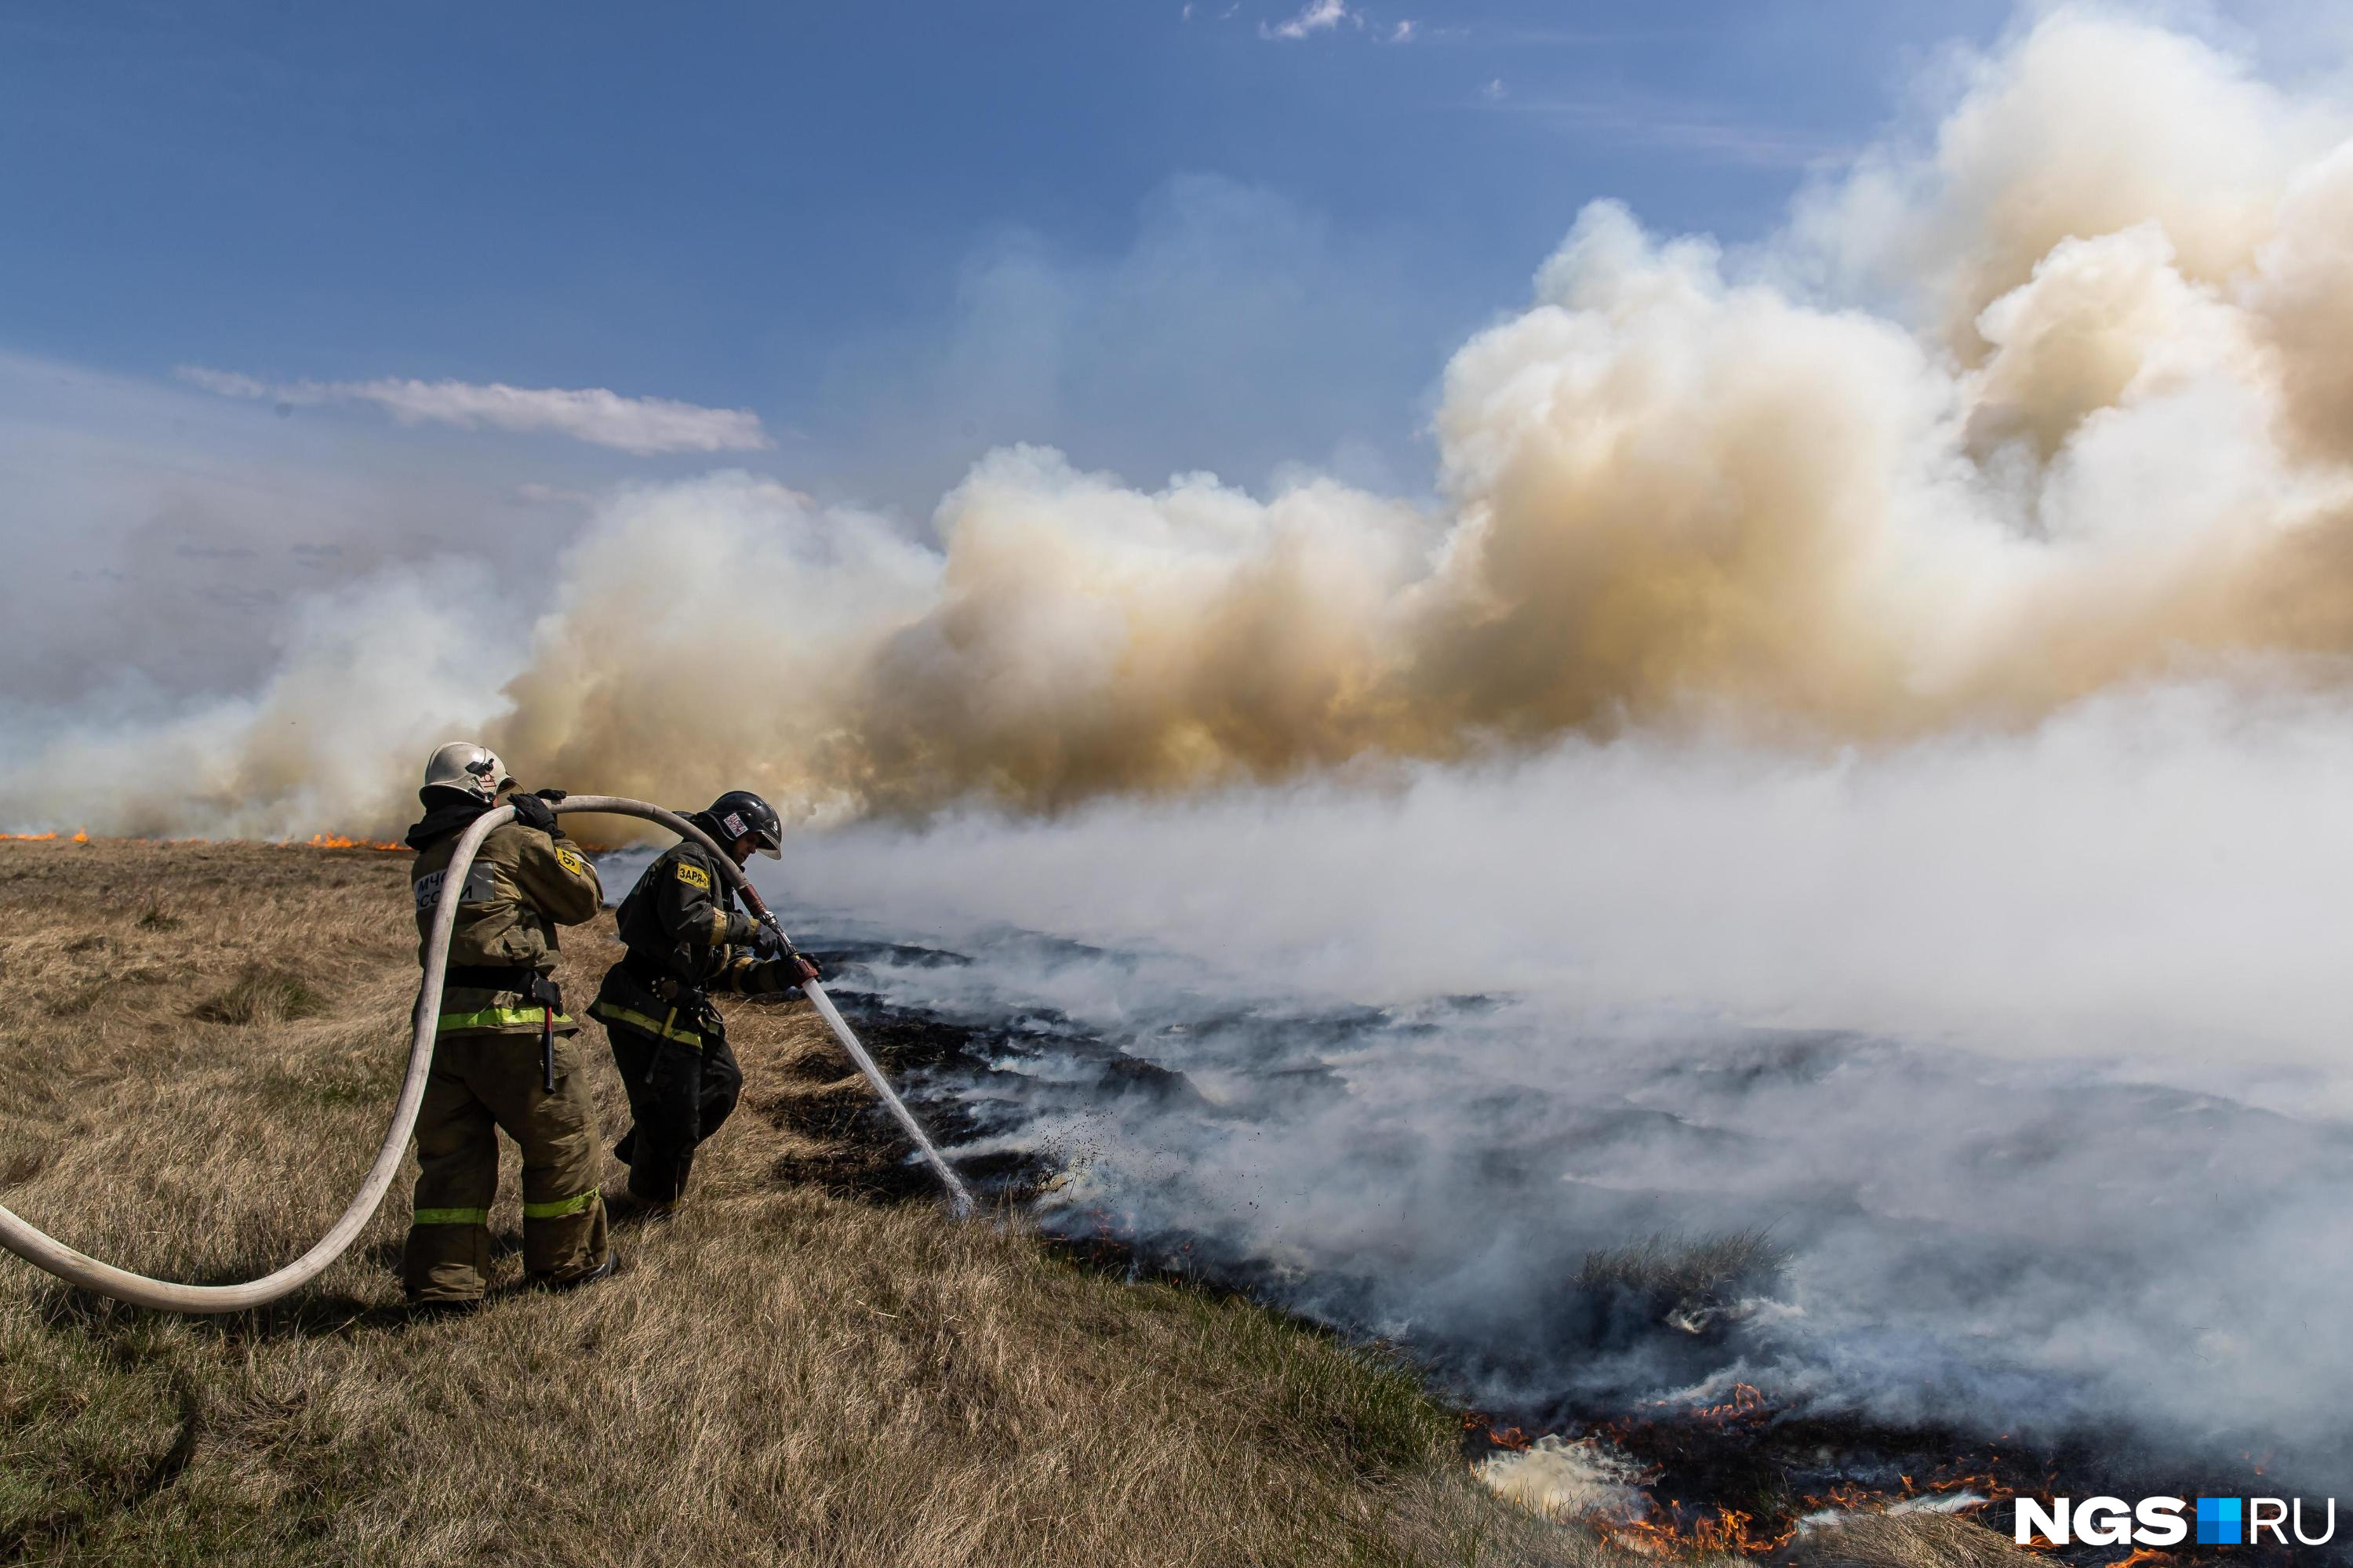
x=2158, y=878
x=1855, y=736
x=2092, y=429
x=1992, y=1036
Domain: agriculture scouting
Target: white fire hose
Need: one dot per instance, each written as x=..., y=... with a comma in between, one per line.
x=43, y=1251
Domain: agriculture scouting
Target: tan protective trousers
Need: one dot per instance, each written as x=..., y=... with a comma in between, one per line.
x=479, y=1084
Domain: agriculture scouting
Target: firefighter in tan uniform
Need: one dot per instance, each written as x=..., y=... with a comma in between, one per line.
x=505, y=1055
x=687, y=939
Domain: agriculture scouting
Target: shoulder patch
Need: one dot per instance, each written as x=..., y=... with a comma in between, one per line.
x=693, y=875
x=570, y=862
x=481, y=886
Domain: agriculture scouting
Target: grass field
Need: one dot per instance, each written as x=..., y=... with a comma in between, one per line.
x=201, y=1044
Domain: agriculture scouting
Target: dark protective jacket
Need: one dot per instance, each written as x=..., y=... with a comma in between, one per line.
x=686, y=938
x=521, y=885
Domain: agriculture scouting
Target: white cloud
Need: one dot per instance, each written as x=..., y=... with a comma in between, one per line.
x=1494, y=92
x=1404, y=34
x=160, y=535
x=640, y=425
x=1318, y=16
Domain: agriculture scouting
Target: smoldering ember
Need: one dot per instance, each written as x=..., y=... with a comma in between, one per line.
x=1535, y=788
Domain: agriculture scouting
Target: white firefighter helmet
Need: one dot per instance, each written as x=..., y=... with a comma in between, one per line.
x=462, y=765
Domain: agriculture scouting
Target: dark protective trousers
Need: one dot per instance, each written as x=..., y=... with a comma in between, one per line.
x=480, y=1084
x=679, y=1095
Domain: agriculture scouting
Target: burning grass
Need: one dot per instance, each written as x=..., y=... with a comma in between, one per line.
x=1740, y=1478
x=810, y=1365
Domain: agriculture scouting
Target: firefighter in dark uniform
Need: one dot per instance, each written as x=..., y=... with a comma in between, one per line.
x=504, y=1055
x=686, y=939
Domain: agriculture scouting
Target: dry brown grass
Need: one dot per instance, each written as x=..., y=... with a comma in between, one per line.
x=201, y=1045
x=1917, y=1540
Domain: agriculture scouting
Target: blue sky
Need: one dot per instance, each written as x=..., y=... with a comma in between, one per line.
x=762, y=207
x=266, y=268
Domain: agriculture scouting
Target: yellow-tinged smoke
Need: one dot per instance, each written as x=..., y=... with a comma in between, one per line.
x=2096, y=427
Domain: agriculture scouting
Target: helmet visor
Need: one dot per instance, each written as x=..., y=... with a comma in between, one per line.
x=461, y=765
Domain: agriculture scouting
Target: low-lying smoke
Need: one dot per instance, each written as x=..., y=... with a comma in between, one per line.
x=2152, y=877
x=2094, y=432
x=2008, y=1073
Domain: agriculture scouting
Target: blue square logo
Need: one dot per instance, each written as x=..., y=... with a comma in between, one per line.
x=2219, y=1522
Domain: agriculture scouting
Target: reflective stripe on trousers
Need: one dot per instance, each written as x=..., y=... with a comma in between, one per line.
x=554, y=1209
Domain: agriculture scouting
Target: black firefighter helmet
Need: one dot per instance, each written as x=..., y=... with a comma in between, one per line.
x=739, y=811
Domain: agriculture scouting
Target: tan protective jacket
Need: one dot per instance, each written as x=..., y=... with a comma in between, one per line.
x=521, y=885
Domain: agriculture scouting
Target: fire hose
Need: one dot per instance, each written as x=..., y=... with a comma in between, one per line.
x=44, y=1251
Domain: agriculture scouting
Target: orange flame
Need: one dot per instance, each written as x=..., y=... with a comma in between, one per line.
x=337, y=841
x=1731, y=1531
x=1510, y=1437
x=28, y=838
x=1746, y=1401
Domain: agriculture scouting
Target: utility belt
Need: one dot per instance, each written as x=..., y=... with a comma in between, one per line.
x=655, y=980
x=543, y=1004
x=533, y=985
x=667, y=1007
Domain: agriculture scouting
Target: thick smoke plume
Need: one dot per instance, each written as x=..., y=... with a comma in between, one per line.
x=2053, y=399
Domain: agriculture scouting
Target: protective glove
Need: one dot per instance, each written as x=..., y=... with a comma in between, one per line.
x=743, y=931
x=532, y=812
x=771, y=944
x=551, y=796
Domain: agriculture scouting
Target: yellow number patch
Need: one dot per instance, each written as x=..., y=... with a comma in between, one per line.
x=569, y=861
x=694, y=876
